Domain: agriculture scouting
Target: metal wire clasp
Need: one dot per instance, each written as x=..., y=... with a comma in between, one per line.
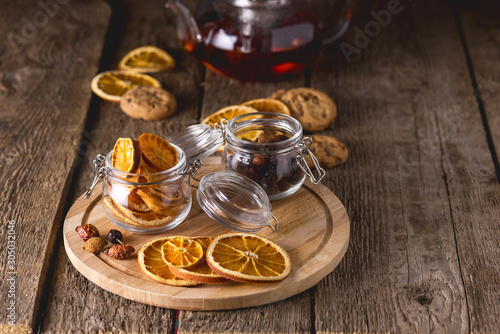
x=222, y=127
x=301, y=159
x=191, y=170
x=275, y=227
x=99, y=167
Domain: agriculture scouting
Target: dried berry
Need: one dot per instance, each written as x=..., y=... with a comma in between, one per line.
x=115, y=236
x=120, y=252
x=254, y=172
x=87, y=231
x=259, y=161
x=94, y=245
x=275, y=173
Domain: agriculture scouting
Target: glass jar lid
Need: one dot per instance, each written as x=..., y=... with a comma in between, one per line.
x=197, y=141
x=235, y=201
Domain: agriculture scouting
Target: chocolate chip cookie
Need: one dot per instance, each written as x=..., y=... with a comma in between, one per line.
x=313, y=109
x=328, y=150
x=148, y=103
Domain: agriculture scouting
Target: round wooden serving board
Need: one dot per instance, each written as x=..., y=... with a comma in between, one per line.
x=313, y=229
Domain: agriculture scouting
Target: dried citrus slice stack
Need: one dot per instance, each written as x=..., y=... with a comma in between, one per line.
x=246, y=257
x=138, y=204
x=140, y=219
x=200, y=271
x=126, y=155
x=181, y=252
x=161, y=200
x=147, y=59
x=242, y=257
x=157, y=153
x=151, y=261
x=268, y=105
x=111, y=85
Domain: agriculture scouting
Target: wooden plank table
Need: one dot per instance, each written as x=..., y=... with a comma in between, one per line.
x=418, y=112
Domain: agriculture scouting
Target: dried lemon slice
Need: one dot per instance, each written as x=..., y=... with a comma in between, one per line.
x=126, y=155
x=111, y=85
x=151, y=262
x=181, y=252
x=200, y=272
x=147, y=59
x=246, y=257
x=157, y=152
x=268, y=105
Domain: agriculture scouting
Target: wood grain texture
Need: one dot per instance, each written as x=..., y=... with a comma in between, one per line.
x=72, y=296
x=47, y=58
x=482, y=34
x=438, y=184
x=475, y=190
x=402, y=273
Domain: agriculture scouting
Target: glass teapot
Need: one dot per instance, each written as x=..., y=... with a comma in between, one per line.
x=253, y=40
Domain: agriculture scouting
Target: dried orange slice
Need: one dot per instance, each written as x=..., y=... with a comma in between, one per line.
x=228, y=113
x=181, y=252
x=200, y=272
x=268, y=105
x=146, y=219
x=136, y=204
x=147, y=59
x=126, y=155
x=146, y=169
x=127, y=196
x=161, y=200
x=145, y=173
x=157, y=152
x=111, y=85
x=151, y=262
x=246, y=257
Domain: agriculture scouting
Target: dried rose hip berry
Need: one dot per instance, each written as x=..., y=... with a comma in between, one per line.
x=275, y=173
x=120, y=252
x=87, y=231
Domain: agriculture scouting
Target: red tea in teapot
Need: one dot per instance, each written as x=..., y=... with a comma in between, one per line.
x=257, y=43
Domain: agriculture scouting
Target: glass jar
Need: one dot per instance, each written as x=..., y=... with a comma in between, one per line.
x=269, y=149
x=158, y=202
x=145, y=203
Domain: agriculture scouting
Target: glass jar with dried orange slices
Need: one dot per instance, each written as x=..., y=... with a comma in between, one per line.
x=145, y=189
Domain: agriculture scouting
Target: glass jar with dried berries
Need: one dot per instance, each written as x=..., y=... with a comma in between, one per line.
x=271, y=150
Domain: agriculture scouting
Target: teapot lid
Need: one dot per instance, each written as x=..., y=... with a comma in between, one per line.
x=197, y=141
x=235, y=201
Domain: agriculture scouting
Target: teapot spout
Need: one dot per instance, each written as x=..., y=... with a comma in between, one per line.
x=187, y=29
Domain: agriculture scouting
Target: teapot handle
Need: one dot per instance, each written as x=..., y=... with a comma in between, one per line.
x=335, y=16
x=187, y=28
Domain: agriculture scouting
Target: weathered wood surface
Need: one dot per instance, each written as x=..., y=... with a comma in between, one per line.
x=482, y=34
x=72, y=296
x=477, y=208
x=47, y=57
x=419, y=185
